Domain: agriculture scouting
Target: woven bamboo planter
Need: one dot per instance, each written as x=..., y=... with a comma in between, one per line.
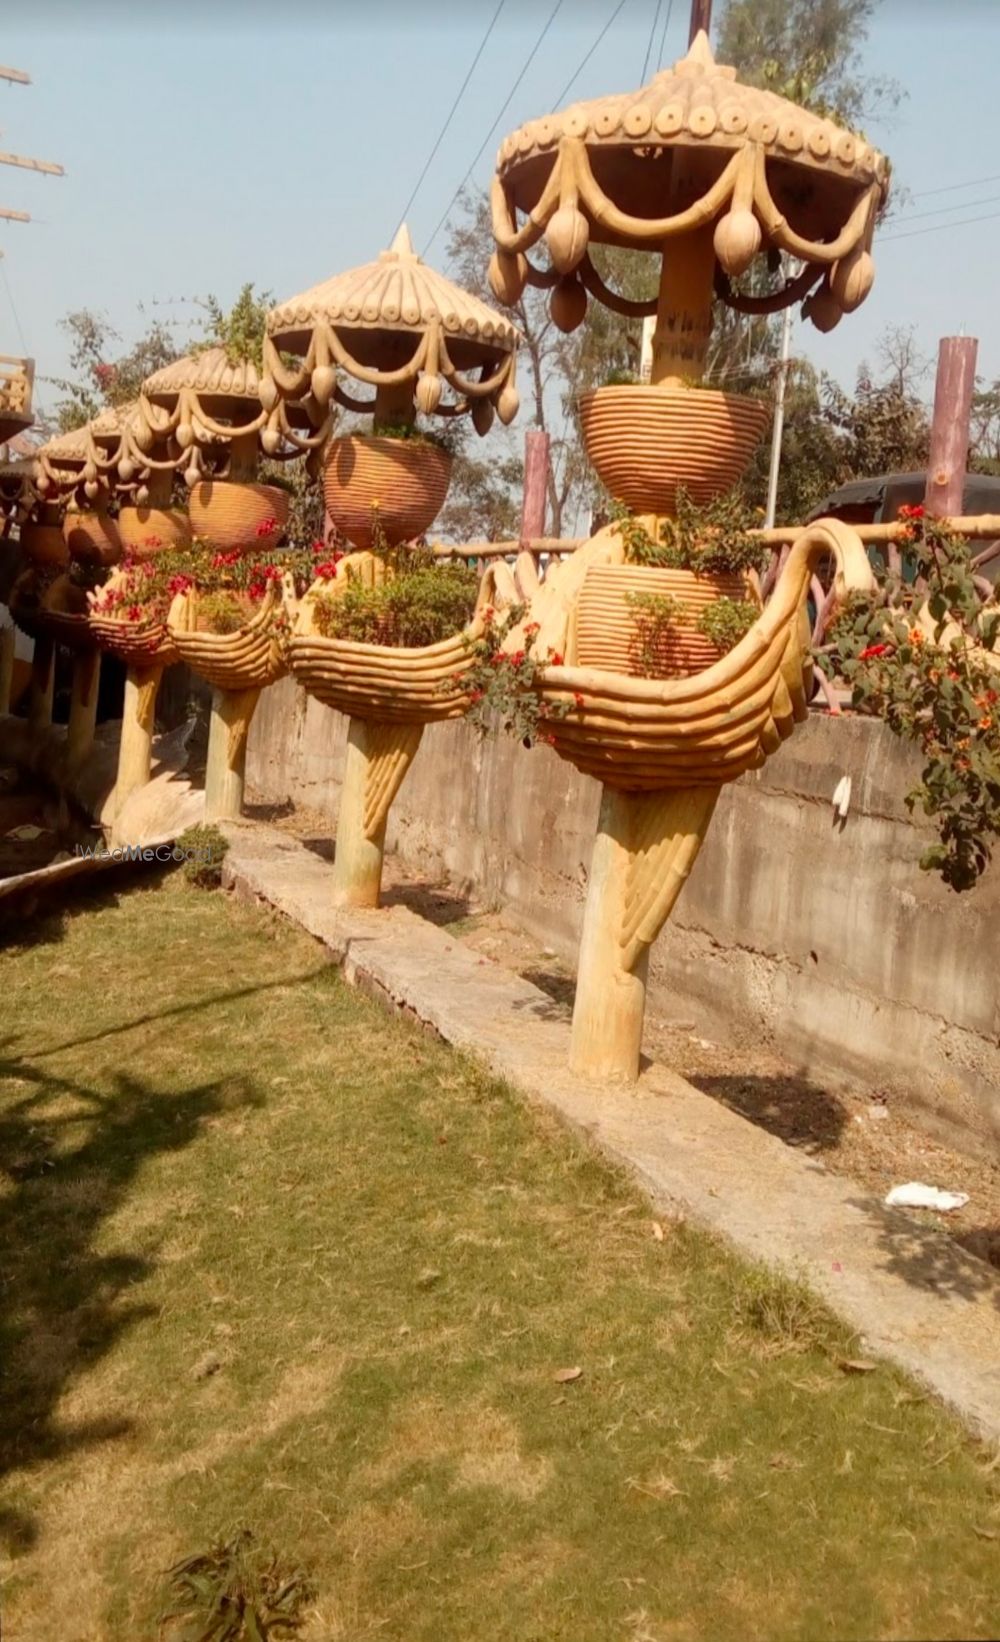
x=44, y=545
x=232, y=517
x=609, y=626
x=248, y=659
x=649, y=442
x=62, y=615
x=646, y=735
x=92, y=538
x=373, y=681
x=145, y=643
x=392, y=486
x=146, y=531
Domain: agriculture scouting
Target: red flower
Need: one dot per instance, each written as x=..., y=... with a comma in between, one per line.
x=555, y=658
x=267, y=527
x=578, y=699
x=532, y=628
x=517, y=658
x=134, y=612
x=874, y=650
x=906, y=512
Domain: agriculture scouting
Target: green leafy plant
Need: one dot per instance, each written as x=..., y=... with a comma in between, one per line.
x=726, y=621
x=205, y=849
x=620, y=377
x=654, y=624
x=241, y=331
x=412, y=433
x=715, y=538
x=922, y=656
x=236, y=1592
x=501, y=683
x=420, y=602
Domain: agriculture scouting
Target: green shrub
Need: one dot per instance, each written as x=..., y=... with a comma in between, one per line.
x=419, y=603
x=236, y=1592
x=206, y=848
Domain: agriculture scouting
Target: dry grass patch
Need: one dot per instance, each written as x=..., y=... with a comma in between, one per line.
x=271, y=1259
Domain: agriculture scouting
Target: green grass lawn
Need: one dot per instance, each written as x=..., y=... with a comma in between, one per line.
x=271, y=1258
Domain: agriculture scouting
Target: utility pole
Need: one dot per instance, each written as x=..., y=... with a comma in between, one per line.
x=25, y=162
x=701, y=18
x=779, y=418
x=949, y=447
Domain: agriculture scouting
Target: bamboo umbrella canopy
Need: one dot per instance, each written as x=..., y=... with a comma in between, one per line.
x=400, y=327
x=693, y=153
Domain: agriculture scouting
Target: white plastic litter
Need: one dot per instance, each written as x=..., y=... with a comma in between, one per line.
x=842, y=797
x=914, y=1195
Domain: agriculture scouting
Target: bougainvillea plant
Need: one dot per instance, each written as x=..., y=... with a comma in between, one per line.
x=501, y=683
x=229, y=584
x=922, y=655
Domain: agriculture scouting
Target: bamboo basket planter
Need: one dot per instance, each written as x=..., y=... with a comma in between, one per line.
x=374, y=484
x=649, y=735
x=248, y=659
x=608, y=624
x=229, y=514
x=44, y=545
x=143, y=644
x=146, y=531
x=93, y=538
x=647, y=442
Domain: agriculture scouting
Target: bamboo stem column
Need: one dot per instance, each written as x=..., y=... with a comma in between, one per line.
x=43, y=674
x=83, y=708
x=138, y=716
x=645, y=846
x=7, y=653
x=376, y=759
x=225, y=768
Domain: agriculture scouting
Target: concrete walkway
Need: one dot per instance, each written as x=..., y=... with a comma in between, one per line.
x=912, y=1294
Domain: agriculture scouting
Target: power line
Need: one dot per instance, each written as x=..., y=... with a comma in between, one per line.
x=451, y=113
x=939, y=227
x=939, y=211
x=506, y=104
x=579, y=70
x=952, y=187
x=20, y=331
x=649, y=47
x=663, y=36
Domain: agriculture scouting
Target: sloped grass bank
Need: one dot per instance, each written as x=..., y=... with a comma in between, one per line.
x=269, y=1257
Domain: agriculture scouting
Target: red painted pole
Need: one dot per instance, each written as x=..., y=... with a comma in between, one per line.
x=536, y=484
x=701, y=18
x=949, y=447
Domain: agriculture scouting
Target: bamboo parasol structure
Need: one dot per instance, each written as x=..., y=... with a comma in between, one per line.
x=418, y=343
x=706, y=175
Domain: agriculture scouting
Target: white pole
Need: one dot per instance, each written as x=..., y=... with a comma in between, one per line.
x=779, y=419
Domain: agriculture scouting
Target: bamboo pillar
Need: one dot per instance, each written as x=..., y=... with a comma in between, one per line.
x=83, y=708
x=949, y=446
x=138, y=715
x=536, y=484
x=376, y=759
x=7, y=653
x=684, y=307
x=701, y=18
x=42, y=683
x=646, y=844
x=225, y=768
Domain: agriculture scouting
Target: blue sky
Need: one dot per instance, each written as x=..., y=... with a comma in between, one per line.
x=209, y=145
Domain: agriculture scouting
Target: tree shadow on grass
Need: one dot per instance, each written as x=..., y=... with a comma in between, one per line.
x=64, y=1304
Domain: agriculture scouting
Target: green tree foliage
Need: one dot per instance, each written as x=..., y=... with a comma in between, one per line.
x=810, y=51
x=100, y=379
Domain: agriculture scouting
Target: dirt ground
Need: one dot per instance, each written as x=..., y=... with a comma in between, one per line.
x=853, y=1131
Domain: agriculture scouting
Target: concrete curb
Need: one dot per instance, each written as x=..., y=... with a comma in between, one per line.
x=912, y=1293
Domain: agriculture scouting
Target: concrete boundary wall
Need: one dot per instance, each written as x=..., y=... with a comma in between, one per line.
x=825, y=941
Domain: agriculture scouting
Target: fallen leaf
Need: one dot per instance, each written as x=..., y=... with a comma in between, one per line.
x=857, y=1365
x=985, y=1533
x=564, y=1376
x=427, y=1279
x=657, y=1231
